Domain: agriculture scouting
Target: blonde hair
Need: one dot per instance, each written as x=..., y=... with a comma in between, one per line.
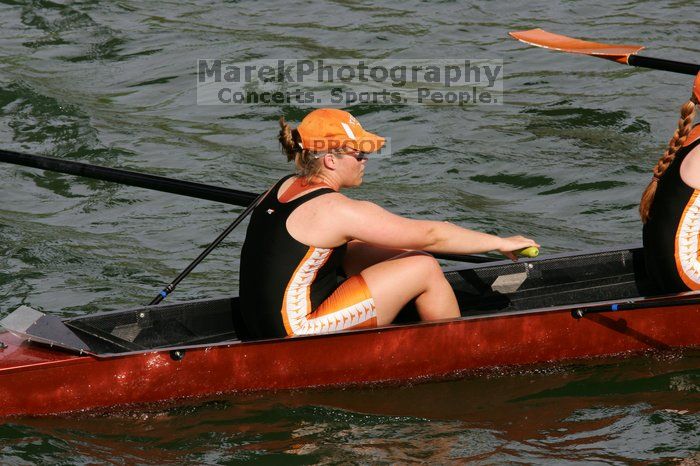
x=685, y=123
x=307, y=163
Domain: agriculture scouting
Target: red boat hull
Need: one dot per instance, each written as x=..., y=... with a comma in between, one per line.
x=37, y=380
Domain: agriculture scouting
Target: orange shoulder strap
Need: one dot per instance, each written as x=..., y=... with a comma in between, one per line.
x=693, y=136
x=298, y=186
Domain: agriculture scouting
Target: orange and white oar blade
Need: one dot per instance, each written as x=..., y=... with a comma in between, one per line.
x=542, y=38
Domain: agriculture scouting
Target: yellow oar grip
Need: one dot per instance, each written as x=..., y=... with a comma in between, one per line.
x=532, y=251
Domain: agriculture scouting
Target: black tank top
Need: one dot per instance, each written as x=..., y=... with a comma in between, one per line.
x=665, y=217
x=270, y=257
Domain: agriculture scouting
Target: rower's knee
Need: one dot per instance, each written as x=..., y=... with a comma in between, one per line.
x=427, y=266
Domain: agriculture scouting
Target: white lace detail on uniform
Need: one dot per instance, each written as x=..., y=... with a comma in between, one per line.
x=298, y=303
x=687, y=240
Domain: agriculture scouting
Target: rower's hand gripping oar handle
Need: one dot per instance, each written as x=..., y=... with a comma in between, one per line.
x=530, y=252
x=171, y=287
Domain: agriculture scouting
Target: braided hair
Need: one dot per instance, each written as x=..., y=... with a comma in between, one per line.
x=685, y=123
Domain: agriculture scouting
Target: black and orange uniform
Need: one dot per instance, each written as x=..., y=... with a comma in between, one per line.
x=672, y=233
x=289, y=288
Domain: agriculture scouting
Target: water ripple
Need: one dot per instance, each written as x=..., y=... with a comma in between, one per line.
x=112, y=83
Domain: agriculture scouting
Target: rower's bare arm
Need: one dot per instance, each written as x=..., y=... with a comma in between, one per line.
x=366, y=221
x=690, y=169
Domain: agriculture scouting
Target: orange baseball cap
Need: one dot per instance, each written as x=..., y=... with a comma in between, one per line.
x=696, y=88
x=330, y=128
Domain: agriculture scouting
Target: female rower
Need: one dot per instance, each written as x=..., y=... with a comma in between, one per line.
x=670, y=208
x=305, y=233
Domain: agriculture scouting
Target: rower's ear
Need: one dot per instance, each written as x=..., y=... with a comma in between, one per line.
x=329, y=161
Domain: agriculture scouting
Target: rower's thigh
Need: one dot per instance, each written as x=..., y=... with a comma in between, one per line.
x=361, y=255
x=393, y=283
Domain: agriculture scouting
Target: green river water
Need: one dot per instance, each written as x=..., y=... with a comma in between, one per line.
x=564, y=160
